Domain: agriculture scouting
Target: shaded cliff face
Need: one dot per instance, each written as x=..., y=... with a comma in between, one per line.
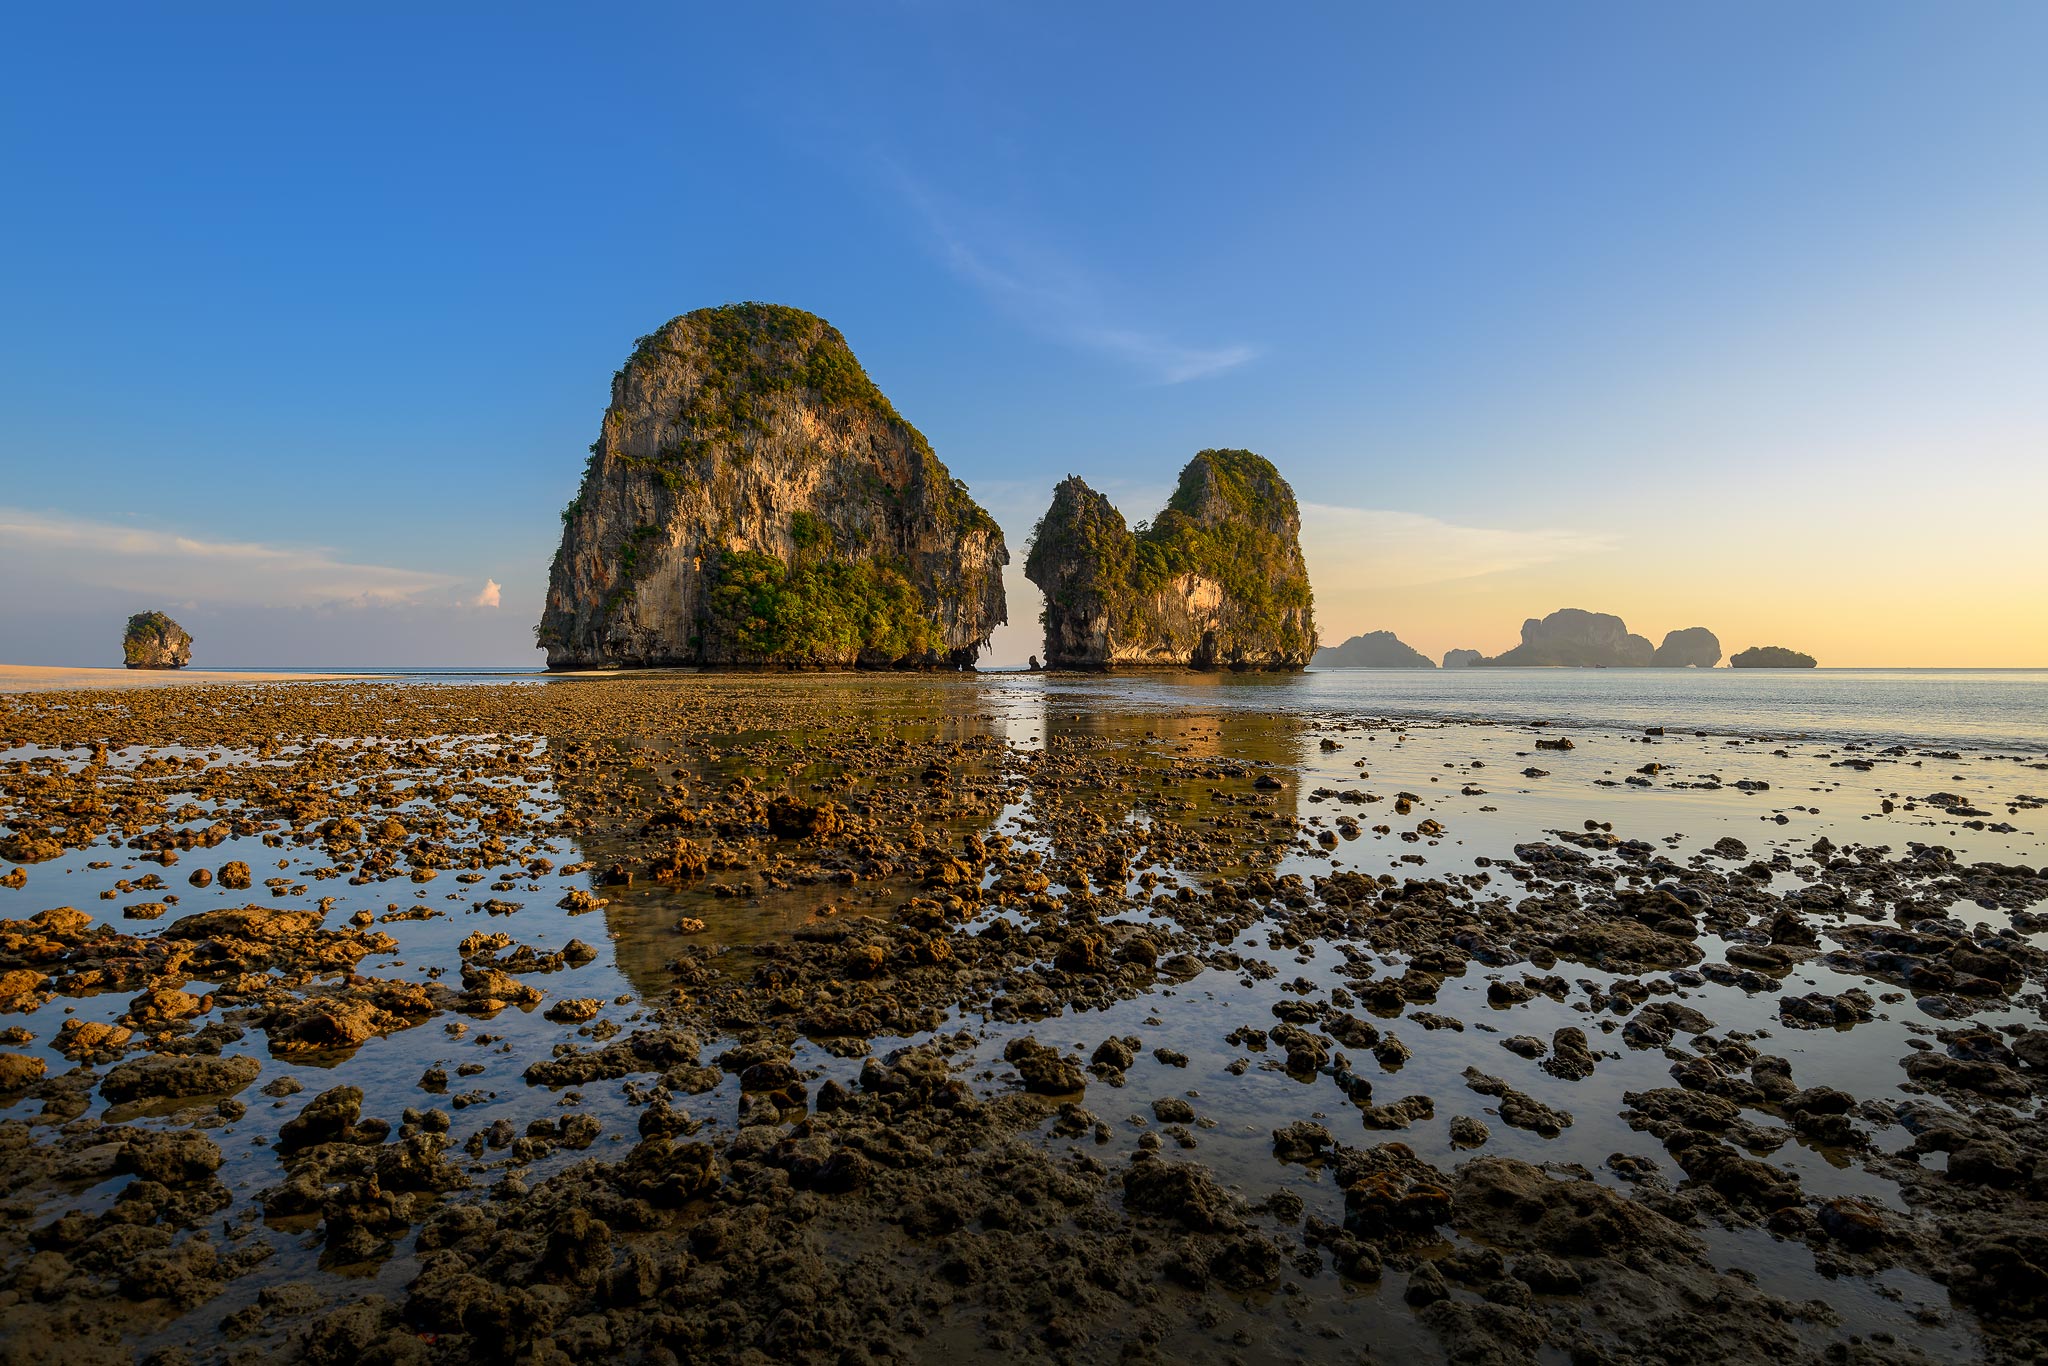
x=1215, y=581
x=754, y=499
x=1373, y=650
x=1572, y=637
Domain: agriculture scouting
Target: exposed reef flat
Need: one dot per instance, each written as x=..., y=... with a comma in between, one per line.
x=730, y=1018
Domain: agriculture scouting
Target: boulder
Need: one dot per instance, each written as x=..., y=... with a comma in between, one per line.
x=178, y=1078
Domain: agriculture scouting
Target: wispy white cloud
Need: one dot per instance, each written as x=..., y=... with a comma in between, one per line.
x=1377, y=548
x=1049, y=292
x=489, y=596
x=172, y=566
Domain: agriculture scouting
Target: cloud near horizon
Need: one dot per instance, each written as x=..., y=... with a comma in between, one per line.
x=1377, y=548
x=489, y=596
x=173, y=567
x=1049, y=293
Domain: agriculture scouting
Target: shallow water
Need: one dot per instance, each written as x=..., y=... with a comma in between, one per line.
x=1150, y=723
x=1969, y=708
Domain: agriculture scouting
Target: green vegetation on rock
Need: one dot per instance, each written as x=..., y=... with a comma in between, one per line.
x=753, y=497
x=153, y=641
x=761, y=610
x=1233, y=519
x=1232, y=522
x=746, y=356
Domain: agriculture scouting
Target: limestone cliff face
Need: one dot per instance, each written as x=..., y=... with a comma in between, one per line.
x=754, y=499
x=153, y=641
x=1462, y=659
x=1215, y=581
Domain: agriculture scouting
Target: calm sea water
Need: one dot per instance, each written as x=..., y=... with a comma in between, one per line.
x=1996, y=709
x=2000, y=709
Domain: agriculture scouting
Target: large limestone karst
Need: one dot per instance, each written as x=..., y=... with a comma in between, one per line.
x=1690, y=647
x=754, y=500
x=153, y=641
x=1217, y=580
x=1373, y=650
x=1571, y=637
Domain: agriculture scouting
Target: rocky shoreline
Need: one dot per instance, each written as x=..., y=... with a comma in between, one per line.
x=863, y=1018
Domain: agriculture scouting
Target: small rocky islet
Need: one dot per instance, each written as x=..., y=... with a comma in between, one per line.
x=1216, y=580
x=753, y=1018
x=1373, y=650
x=1570, y=637
x=152, y=640
x=1772, y=657
x=753, y=500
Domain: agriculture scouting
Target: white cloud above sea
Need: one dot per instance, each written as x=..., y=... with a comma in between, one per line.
x=489, y=597
x=171, y=565
x=1049, y=292
x=1380, y=548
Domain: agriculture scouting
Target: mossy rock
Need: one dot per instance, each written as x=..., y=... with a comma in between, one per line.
x=154, y=641
x=1216, y=580
x=754, y=499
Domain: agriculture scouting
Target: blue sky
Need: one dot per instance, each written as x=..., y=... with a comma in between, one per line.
x=1728, y=314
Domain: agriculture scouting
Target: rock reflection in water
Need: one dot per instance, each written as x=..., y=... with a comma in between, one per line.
x=1011, y=806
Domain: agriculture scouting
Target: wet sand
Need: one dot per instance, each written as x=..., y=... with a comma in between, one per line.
x=854, y=1018
x=46, y=678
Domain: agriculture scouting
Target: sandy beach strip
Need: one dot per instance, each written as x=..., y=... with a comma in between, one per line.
x=51, y=678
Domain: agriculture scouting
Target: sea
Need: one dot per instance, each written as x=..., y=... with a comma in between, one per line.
x=1978, y=709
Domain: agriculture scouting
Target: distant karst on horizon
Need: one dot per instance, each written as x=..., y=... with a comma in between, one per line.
x=153, y=641
x=1217, y=580
x=1574, y=638
x=1690, y=647
x=1373, y=650
x=1462, y=659
x=754, y=500
x=1772, y=657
